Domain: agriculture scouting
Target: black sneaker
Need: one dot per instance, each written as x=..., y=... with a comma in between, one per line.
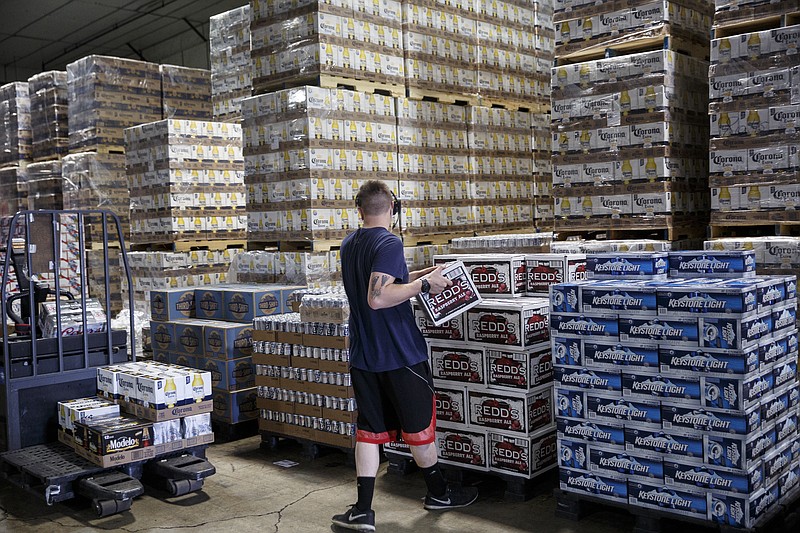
x=355, y=519
x=453, y=499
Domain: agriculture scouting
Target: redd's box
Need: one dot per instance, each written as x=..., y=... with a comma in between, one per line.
x=244, y=303
x=451, y=405
x=520, y=323
x=522, y=456
x=228, y=340
x=451, y=330
x=508, y=369
x=457, y=362
x=519, y=413
x=494, y=275
x=462, y=448
x=172, y=304
x=544, y=270
x=455, y=299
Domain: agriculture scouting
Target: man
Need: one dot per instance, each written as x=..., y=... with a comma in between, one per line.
x=388, y=357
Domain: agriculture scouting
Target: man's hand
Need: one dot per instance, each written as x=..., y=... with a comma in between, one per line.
x=437, y=280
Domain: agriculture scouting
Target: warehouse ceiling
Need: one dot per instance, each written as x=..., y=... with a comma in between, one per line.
x=40, y=35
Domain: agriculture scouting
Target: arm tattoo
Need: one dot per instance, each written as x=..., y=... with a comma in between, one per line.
x=377, y=286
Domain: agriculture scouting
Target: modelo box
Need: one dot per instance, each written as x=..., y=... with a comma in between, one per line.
x=519, y=413
x=451, y=405
x=638, y=328
x=520, y=323
x=451, y=330
x=610, y=409
x=172, y=304
x=116, y=434
x=608, y=487
x=663, y=442
x=189, y=337
x=717, y=478
x=228, y=340
x=572, y=325
x=523, y=370
x=567, y=352
x=716, y=420
x=610, y=461
x=545, y=270
x=720, y=299
x=690, y=360
x=494, y=275
x=627, y=265
x=591, y=432
x=209, y=302
x=526, y=457
x=466, y=448
x=617, y=295
x=718, y=264
x=656, y=495
x=578, y=378
x=244, y=303
x=457, y=362
x=603, y=354
x=455, y=299
x=662, y=387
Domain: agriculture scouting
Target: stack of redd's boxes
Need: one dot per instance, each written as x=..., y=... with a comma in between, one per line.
x=680, y=392
x=493, y=374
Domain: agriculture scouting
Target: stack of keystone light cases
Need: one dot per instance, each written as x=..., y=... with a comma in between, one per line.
x=754, y=91
x=678, y=394
x=492, y=367
x=231, y=76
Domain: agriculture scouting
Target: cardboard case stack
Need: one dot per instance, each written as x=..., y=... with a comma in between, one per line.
x=15, y=113
x=45, y=185
x=231, y=76
x=49, y=111
x=185, y=92
x=13, y=189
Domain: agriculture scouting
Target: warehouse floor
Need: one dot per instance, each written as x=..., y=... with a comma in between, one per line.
x=251, y=494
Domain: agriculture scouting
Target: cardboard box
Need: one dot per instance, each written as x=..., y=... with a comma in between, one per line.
x=112, y=435
x=611, y=409
x=160, y=415
x=234, y=407
x=465, y=448
x=519, y=323
x=172, y=304
x=495, y=276
x=627, y=265
x=609, y=460
x=674, y=390
x=457, y=362
x=605, y=354
x=696, y=419
x=210, y=303
x=230, y=374
x=717, y=478
x=574, y=325
x=451, y=405
x=615, y=295
x=565, y=298
x=582, y=378
x=638, y=328
x=669, y=443
x=526, y=457
x=452, y=330
x=519, y=413
x=515, y=370
x=699, y=263
x=567, y=352
x=682, y=360
x=189, y=337
x=228, y=340
x=454, y=300
x=545, y=270
x=243, y=303
x=609, y=487
x=656, y=495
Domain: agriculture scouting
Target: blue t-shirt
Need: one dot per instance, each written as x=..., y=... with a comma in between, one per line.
x=383, y=339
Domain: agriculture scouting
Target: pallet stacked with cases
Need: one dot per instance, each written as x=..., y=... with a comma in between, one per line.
x=13, y=189
x=45, y=185
x=302, y=373
x=677, y=396
x=433, y=162
x=327, y=44
x=774, y=255
x=49, y=126
x=744, y=13
x=754, y=91
x=543, y=216
x=15, y=147
x=231, y=72
x=186, y=181
x=210, y=328
x=503, y=243
x=185, y=92
x=307, y=151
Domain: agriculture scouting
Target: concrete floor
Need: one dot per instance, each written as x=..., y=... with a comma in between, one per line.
x=251, y=494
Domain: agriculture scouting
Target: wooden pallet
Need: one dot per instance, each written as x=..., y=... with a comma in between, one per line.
x=717, y=230
x=189, y=245
x=432, y=95
x=330, y=81
x=273, y=441
x=105, y=149
x=747, y=19
x=659, y=228
x=311, y=245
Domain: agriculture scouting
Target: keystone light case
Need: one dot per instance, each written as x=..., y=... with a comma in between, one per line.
x=461, y=296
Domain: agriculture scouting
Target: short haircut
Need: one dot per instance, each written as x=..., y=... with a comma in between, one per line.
x=374, y=197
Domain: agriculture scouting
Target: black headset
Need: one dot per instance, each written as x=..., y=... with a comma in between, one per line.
x=395, y=203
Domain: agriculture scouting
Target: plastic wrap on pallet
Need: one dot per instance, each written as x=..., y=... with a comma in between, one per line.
x=107, y=95
x=45, y=185
x=588, y=247
x=312, y=269
x=773, y=254
x=97, y=181
x=754, y=91
x=186, y=181
x=231, y=76
x=13, y=189
x=728, y=12
x=185, y=92
x=50, y=130
x=307, y=151
x=15, y=123
x=292, y=45
x=508, y=243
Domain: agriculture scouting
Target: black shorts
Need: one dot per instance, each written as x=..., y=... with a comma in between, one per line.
x=399, y=400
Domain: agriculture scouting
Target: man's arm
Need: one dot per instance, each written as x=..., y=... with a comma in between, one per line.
x=384, y=292
x=415, y=275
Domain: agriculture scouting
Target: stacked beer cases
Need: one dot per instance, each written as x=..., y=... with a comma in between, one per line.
x=49, y=126
x=231, y=77
x=186, y=181
x=15, y=148
x=185, y=92
x=293, y=46
x=542, y=172
x=97, y=181
x=774, y=255
x=13, y=189
x=307, y=150
x=754, y=91
x=434, y=167
x=45, y=185
x=677, y=394
x=501, y=171
x=302, y=372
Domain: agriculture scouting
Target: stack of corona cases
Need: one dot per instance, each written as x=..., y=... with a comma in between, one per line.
x=185, y=92
x=543, y=215
x=231, y=72
x=210, y=328
x=678, y=393
x=15, y=146
x=142, y=409
x=433, y=160
x=307, y=151
x=186, y=181
x=754, y=91
x=498, y=51
x=49, y=129
x=295, y=45
x=492, y=367
x=302, y=372
x=627, y=141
